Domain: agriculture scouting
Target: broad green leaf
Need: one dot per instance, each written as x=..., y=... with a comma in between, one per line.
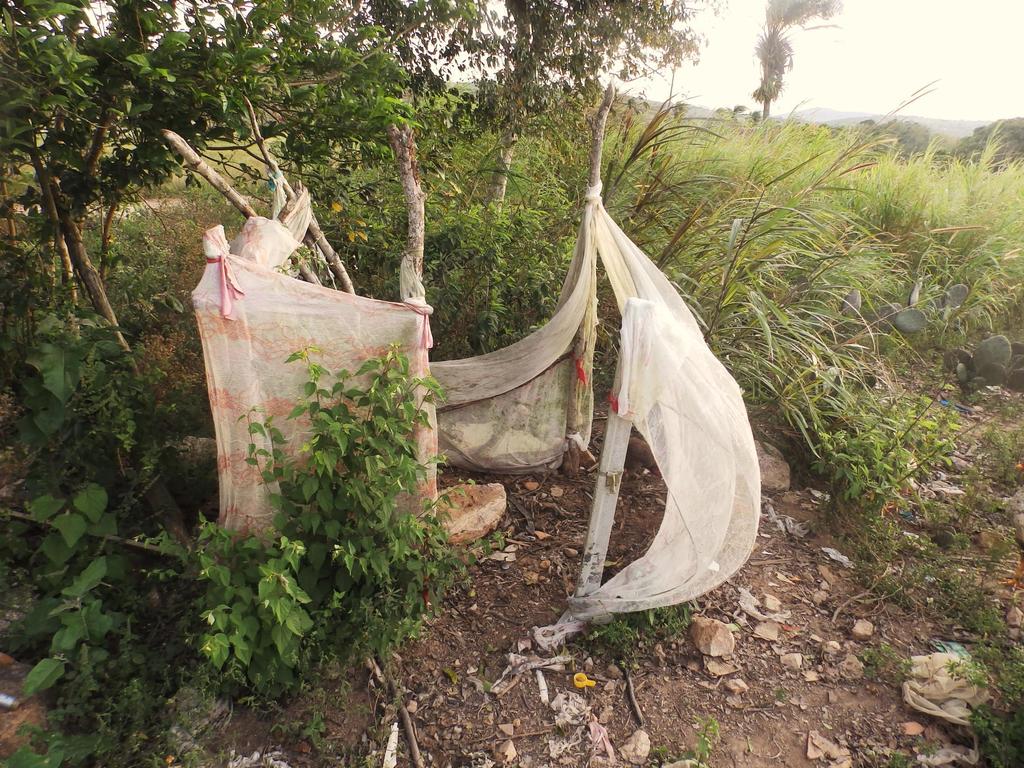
x=45, y=507
x=71, y=526
x=91, y=501
x=43, y=675
x=55, y=549
x=88, y=578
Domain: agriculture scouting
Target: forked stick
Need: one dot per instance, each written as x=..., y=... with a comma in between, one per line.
x=196, y=164
x=314, y=236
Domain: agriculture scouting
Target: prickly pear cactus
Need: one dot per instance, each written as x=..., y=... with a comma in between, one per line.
x=995, y=350
x=910, y=321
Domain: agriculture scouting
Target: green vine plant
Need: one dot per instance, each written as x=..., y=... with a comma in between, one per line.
x=355, y=561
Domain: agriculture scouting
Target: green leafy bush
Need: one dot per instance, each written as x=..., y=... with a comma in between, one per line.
x=869, y=456
x=354, y=565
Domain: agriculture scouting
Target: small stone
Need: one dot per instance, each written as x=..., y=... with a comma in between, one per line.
x=506, y=752
x=819, y=596
x=831, y=647
x=736, y=685
x=570, y=552
x=588, y=664
x=712, y=637
x=507, y=728
x=851, y=667
x=720, y=668
x=605, y=717
x=531, y=485
x=774, y=468
x=411, y=706
x=771, y=603
x=636, y=748
x=810, y=676
x=862, y=629
x=767, y=630
x=613, y=672
x=912, y=728
x=1014, y=617
x=792, y=660
x=557, y=492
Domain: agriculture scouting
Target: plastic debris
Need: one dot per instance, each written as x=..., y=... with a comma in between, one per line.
x=785, y=523
x=749, y=605
x=838, y=556
x=599, y=738
x=935, y=689
x=580, y=680
x=391, y=750
x=258, y=759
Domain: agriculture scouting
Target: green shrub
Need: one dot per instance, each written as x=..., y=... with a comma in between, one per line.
x=352, y=567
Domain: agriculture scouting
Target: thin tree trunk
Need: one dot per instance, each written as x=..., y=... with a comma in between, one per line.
x=411, y=275
x=499, y=181
x=105, y=236
x=50, y=204
x=90, y=277
x=571, y=461
x=766, y=110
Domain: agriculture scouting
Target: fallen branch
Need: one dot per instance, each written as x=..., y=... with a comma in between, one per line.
x=193, y=162
x=403, y=713
x=631, y=695
x=314, y=237
x=106, y=537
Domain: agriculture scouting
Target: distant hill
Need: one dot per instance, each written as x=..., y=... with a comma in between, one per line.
x=956, y=129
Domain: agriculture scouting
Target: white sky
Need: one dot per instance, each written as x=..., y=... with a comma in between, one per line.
x=879, y=53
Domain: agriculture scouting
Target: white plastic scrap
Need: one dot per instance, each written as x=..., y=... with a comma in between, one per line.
x=838, y=556
x=542, y=686
x=935, y=689
x=391, y=751
x=554, y=635
x=784, y=523
x=950, y=756
x=749, y=604
x=599, y=738
x=518, y=664
x=258, y=759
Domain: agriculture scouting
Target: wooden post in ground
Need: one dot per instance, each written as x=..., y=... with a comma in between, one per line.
x=606, y=495
x=571, y=460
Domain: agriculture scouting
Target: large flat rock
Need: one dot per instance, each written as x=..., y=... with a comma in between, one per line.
x=475, y=511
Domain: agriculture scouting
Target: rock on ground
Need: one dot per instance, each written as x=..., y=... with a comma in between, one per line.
x=862, y=629
x=774, y=468
x=712, y=637
x=636, y=748
x=475, y=511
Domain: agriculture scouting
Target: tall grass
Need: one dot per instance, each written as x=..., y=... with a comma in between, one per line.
x=765, y=228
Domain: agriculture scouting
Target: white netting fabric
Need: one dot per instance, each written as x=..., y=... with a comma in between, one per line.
x=510, y=410
x=251, y=318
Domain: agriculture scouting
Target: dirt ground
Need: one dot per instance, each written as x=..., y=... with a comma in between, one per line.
x=756, y=709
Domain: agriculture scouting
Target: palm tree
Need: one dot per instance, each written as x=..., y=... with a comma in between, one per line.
x=775, y=51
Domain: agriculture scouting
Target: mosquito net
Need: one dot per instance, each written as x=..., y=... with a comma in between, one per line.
x=515, y=409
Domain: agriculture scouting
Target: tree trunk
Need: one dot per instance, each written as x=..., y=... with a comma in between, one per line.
x=499, y=181
x=766, y=110
x=50, y=205
x=403, y=143
x=90, y=277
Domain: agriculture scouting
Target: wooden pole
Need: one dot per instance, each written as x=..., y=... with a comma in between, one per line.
x=314, y=237
x=404, y=145
x=606, y=494
x=571, y=460
x=196, y=164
